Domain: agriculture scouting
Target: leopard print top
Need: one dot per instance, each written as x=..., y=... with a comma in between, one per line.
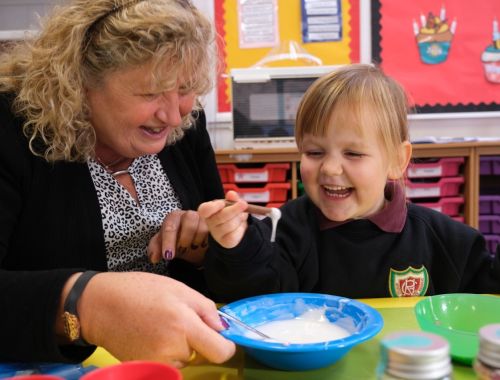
x=127, y=225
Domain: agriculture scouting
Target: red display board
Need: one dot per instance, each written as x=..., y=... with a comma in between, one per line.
x=445, y=53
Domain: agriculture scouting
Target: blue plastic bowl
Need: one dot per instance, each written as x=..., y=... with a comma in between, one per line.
x=361, y=320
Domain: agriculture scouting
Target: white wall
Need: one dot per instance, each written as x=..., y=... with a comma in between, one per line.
x=17, y=16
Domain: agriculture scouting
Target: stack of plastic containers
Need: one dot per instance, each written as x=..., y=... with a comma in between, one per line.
x=489, y=202
x=436, y=183
x=264, y=184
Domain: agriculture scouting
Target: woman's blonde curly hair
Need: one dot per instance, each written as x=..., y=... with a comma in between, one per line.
x=80, y=44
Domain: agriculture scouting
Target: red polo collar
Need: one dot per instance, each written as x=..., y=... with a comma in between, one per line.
x=390, y=219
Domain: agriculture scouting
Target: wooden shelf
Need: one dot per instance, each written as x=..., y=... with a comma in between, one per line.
x=257, y=155
x=471, y=151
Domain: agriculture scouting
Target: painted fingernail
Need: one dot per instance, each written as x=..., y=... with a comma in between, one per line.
x=194, y=246
x=181, y=251
x=224, y=323
x=168, y=255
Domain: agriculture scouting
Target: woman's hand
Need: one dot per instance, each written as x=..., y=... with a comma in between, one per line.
x=227, y=224
x=184, y=235
x=143, y=316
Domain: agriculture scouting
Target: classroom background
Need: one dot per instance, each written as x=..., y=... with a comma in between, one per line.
x=446, y=54
x=17, y=16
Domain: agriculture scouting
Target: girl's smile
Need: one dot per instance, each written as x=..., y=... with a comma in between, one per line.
x=337, y=191
x=344, y=173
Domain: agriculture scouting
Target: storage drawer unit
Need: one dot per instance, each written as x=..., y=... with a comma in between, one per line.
x=471, y=151
x=442, y=167
x=272, y=192
x=489, y=224
x=489, y=204
x=231, y=173
x=489, y=165
x=447, y=205
x=448, y=186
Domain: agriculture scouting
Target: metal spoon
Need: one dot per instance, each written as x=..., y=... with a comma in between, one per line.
x=242, y=324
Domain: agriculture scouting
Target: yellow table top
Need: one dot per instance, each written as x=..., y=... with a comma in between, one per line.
x=397, y=313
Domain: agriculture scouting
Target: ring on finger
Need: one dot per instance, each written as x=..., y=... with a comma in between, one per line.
x=192, y=357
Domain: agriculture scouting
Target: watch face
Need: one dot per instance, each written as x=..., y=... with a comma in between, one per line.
x=71, y=326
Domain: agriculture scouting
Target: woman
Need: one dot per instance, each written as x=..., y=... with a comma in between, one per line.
x=101, y=157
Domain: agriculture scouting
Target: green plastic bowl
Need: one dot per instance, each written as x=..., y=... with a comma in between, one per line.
x=458, y=318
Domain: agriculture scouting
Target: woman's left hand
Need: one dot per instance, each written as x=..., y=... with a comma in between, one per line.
x=183, y=234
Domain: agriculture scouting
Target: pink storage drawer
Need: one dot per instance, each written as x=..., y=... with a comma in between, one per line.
x=458, y=218
x=231, y=173
x=447, y=205
x=491, y=242
x=444, y=167
x=445, y=187
x=489, y=204
x=489, y=224
x=489, y=165
x=272, y=192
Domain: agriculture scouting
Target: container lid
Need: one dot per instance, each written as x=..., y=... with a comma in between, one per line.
x=415, y=355
x=489, y=345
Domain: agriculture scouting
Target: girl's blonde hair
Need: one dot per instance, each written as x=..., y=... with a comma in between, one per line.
x=80, y=43
x=361, y=96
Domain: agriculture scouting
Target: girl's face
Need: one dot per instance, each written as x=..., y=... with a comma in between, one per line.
x=344, y=173
x=131, y=118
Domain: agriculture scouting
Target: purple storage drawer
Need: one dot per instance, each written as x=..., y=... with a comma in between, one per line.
x=491, y=242
x=489, y=165
x=489, y=224
x=489, y=204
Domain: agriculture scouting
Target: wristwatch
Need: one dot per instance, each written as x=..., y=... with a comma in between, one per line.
x=70, y=314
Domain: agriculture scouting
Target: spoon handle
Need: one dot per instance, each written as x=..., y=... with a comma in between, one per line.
x=238, y=322
x=254, y=209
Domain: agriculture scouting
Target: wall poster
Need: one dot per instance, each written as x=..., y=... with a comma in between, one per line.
x=321, y=20
x=257, y=23
x=445, y=53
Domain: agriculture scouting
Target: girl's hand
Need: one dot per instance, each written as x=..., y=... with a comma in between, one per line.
x=227, y=224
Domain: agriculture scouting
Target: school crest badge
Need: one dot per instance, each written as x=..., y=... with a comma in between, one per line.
x=410, y=282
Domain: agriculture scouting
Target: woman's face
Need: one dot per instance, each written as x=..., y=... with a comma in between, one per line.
x=344, y=173
x=130, y=117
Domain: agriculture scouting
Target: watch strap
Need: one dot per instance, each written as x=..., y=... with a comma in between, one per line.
x=70, y=308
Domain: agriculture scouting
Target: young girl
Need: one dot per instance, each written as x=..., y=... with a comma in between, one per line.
x=353, y=234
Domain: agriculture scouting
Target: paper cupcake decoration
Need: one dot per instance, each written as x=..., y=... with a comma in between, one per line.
x=434, y=36
x=491, y=56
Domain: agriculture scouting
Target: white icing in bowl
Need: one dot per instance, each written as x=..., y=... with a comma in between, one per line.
x=310, y=327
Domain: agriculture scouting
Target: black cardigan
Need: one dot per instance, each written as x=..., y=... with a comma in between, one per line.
x=50, y=228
